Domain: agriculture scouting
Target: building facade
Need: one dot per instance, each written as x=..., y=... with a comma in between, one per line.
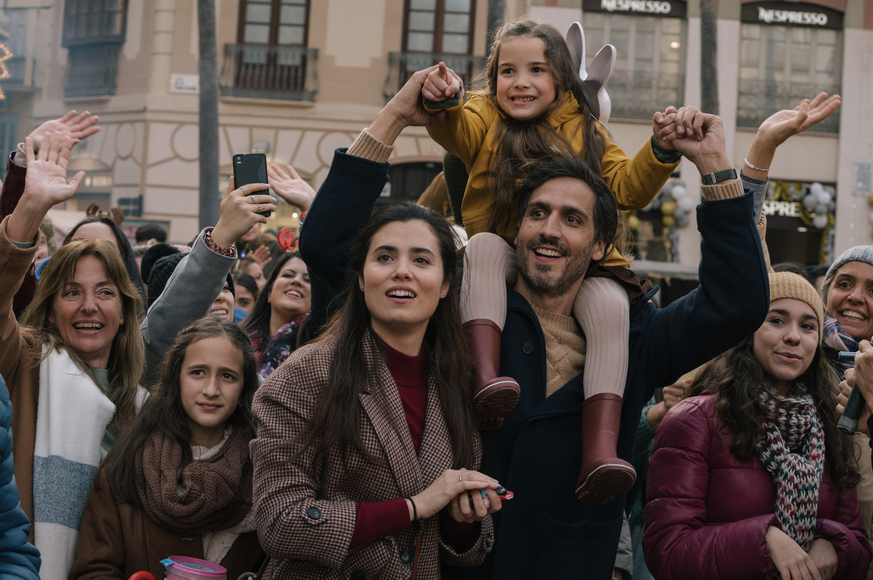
x=299, y=78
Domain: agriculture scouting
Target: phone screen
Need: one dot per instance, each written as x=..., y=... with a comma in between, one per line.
x=250, y=168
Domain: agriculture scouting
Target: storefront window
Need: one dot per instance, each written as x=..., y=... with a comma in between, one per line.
x=649, y=71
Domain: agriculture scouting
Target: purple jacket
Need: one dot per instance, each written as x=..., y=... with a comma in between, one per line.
x=707, y=512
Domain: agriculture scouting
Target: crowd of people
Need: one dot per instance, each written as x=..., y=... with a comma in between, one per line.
x=389, y=401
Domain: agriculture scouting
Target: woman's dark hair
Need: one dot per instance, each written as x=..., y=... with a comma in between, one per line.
x=259, y=319
x=163, y=411
x=242, y=279
x=123, y=246
x=522, y=145
x=735, y=379
x=336, y=419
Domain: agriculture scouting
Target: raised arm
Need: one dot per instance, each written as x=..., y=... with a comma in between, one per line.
x=733, y=297
x=200, y=276
x=354, y=183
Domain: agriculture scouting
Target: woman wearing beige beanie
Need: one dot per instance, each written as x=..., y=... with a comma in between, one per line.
x=750, y=474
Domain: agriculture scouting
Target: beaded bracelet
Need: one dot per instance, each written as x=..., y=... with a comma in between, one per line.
x=218, y=249
x=750, y=166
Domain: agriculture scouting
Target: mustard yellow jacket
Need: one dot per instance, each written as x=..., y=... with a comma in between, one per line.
x=470, y=133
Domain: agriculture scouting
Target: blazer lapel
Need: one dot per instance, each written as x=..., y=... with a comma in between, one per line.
x=435, y=454
x=383, y=406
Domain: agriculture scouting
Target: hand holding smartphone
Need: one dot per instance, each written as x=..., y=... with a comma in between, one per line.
x=250, y=168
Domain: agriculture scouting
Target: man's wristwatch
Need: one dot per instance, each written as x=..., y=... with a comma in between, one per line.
x=719, y=176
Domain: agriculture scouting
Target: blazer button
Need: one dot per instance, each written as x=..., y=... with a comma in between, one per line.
x=314, y=513
x=527, y=347
x=405, y=556
x=359, y=576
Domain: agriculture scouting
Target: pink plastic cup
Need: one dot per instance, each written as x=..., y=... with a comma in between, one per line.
x=185, y=568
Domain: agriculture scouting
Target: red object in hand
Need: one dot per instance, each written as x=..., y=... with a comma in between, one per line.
x=142, y=576
x=504, y=494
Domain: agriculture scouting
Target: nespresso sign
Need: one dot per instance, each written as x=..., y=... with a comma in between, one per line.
x=792, y=14
x=671, y=8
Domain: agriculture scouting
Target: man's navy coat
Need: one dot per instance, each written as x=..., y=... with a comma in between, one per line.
x=544, y=532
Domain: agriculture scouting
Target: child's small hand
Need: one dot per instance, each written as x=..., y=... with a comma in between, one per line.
x=664, y=128
x=441, y=84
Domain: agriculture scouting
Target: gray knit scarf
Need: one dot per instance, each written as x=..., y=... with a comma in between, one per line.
x=792, y=449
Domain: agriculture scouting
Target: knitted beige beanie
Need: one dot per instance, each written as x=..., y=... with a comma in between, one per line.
x=788, y=285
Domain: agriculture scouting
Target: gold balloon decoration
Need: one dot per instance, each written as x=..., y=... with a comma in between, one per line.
x=668, y=207
x=633, y=222
x=668, y=221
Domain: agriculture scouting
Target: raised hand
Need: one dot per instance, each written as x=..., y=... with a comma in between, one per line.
x=777, y=128
x=441, y=84
x=780, y=126
x=240, y=211
x=45, y=185
x=261, y=256
x=290, y=187
x=405, y=110
x=664, y=129
x=70, y=126
x=46, y=181
x=703, y=143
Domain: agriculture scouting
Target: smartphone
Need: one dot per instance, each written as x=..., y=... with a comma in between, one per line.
x=250, y=168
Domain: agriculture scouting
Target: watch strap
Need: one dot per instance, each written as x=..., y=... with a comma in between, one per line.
x=719, y=176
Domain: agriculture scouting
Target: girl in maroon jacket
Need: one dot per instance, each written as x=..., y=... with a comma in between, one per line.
x=751, y=479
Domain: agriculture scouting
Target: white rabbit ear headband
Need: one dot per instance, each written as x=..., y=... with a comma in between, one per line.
x=593, y=82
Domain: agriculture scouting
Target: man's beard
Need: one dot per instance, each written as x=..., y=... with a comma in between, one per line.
x=541, y=279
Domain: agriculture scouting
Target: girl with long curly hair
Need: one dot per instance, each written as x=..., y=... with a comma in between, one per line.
x=750, y=477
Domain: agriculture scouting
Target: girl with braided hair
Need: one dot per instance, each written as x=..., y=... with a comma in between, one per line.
x=750, y=477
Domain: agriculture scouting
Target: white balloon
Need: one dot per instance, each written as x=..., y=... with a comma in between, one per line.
x=686, y=203
x=810, y=201
x=668, y=188
x=679, y=213
x=820, y=221
x=831, y=206
x=683, y=221
x=678, y=190
x=824, y=197
x=816, y=188
x=821, y=209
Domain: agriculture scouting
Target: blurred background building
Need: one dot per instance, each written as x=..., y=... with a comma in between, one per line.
x=299, y=78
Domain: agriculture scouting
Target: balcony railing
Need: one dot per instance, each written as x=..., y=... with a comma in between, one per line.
x=759, y=99
x=402, y=65
x=15, y=66
x=638, y=94
x=269, y=72
x=93, y=70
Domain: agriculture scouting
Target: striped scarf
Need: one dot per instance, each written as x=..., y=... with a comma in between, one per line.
x=792, y=449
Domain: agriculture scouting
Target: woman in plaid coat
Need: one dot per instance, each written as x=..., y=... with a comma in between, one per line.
x=366, y=449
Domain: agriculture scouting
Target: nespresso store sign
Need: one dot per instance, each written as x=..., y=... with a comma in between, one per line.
x=671, y=8
x=792, y=14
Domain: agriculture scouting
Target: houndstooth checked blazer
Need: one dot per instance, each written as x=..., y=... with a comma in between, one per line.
x=314, y=543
